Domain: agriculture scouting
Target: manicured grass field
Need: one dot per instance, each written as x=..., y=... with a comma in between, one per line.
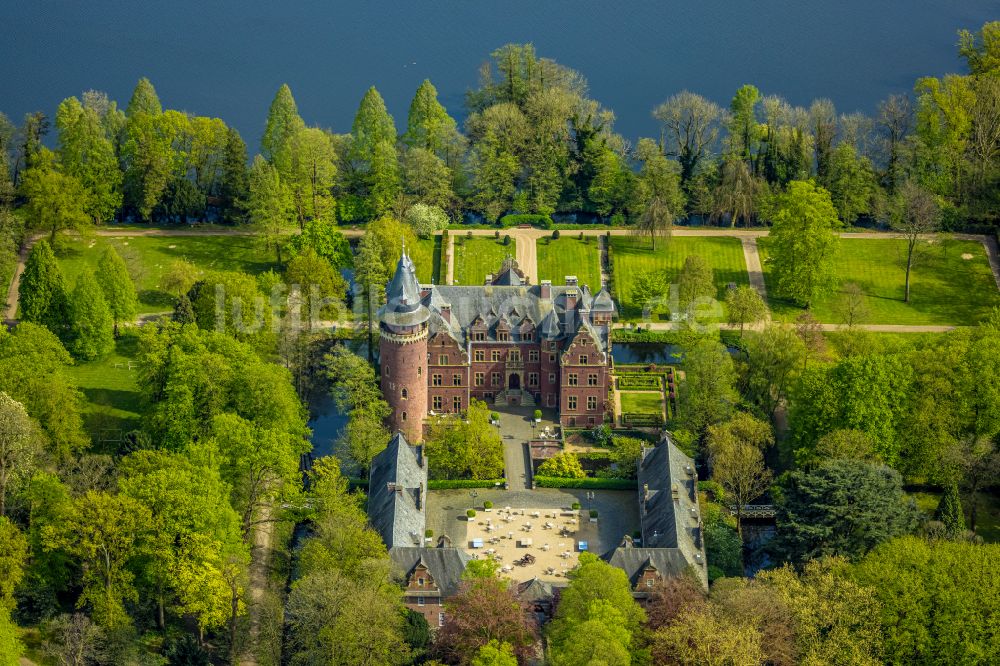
x=149, y=257
x=109, y=386
x=642, y=403
x=951, y=283
x=477, y=257
x=632, y=256
x=426, y=254
x=570, y=256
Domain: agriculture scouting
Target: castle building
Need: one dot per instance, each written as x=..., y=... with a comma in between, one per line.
x=506, y=342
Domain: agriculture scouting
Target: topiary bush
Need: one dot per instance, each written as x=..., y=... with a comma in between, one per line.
x=487, y=504
x=576, y=506
x=470, y=514
x=593, y=513
x=555, y=235
x=506, y=239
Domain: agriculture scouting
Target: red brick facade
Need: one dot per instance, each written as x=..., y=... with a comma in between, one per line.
x=421, y=594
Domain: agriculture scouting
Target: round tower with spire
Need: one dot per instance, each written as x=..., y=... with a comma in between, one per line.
x=403, y=351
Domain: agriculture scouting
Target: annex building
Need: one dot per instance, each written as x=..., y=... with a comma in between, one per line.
x=506, y=342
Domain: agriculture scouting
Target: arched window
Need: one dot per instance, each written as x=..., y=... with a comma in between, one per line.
x=404, y=416
x=403, y=393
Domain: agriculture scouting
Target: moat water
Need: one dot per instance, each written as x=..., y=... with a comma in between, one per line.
x=227, y=59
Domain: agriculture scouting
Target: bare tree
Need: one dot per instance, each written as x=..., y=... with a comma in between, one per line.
x=823, y=121
x=736, y=194
x=915, y=213
x=984, y=143
x=856, y=129
x=657, y=220
x=851, y=305
x=691, y=125
x=895, y=119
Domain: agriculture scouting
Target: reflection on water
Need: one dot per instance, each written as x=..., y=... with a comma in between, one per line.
x=326, y=422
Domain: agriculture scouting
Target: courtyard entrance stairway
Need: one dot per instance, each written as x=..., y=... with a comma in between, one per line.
x=514, y=397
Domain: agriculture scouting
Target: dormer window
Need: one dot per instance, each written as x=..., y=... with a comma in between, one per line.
x=583, y=359
x=502, y=336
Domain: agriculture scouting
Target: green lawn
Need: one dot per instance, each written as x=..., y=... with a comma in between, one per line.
x=945, y=288
x=426, y=254
x=569, y=256
x=112, y=394
x=477, y=257
x=631, y=256
x=642, y=403
x=149, y=257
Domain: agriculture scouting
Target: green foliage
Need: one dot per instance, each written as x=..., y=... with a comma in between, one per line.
x=13, y=557
x=55, y=201
x=495, y=653
x=268, y=205
x=563, y=465
x=724, y=550
x=465, y=447
x=283, y=122
x=589, y=483
x=91, y=323
x=844, y=507
x=935, y=600
x=708, y=391
x=11, y=648
x=42, y=297
x=949, y=512
x=323, y=238
x=451, y=484
x=744, y=306
x=117, y=287
x=87, y=153
x=426, y=219
x=802, y=244
x=517, y=219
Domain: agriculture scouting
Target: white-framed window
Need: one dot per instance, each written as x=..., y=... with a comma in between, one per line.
x=420, y=601
x=572, y=402
x=440, y=619
x=591, y=403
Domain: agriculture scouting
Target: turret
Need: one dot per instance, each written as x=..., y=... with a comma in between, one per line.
x=403, y=351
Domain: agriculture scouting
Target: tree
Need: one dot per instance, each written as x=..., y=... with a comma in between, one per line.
x=87, y=153
x=144, y=100
x=846, y=443
x=323, y=288
x=744, y=306
x=600, y=638
x=981, y=50
x=563, y=465
x=691, y=123
x=466, y=447
x=372, y=126
x=708, y=638
x=428, y=125
x=823, y=118
x=426, y=219
x=932, y=599
x=595, y=581
x=102, y=534
x=744, y=131
x=649, y=291
x=484, y=610
x=13, y=557
x=735, y=450
x=42, y=297
x=851, y=182
x=696, y=282
x=370, y=273
x=147, y=151
x=235, y=186
x=670, y=598
x=55, y=200
x=340, y=620
x=737, y=193
x=852, y=305
x=268, y=206
x=803, y=242
x=310, y=176
x=73, y=640
x=915, y=214
x=117, y=287
x=427, y=179
x=495, y=653
x=609, y=188
x=18, y=449
x=949, y=511
x=92, y=327
x=774, y=356
x=383, y=178
x=325, y=240
x=656, y=196
x=836, y=620
x=708, y=391
x=895, y=120
x=843, y=507
x=283, y=122
x=11, y=647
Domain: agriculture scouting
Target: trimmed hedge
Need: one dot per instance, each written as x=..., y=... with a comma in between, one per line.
x=513, y=220
x=647, y=381
x=588, y=483
x=451, y=484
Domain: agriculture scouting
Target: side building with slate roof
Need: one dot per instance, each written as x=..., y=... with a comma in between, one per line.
x=672, y=539
x=506, y=342
x=397, y=495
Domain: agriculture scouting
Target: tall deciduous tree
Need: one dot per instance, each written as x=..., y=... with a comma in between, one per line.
x=18, y=449
x=916, y=213
x=460, y=448
x=691, y=124
x=311, y=175
x=803, y=242
x=268, y=206
x=235, y=185
x=92, y=327
x=696, y=281
x=55, y=201
x=87, y=153
x=744, y=130
x=147, y=153
x=744, y=306
x=851, y=181
x=484, y=610
x=283, y=122
x=117, y=287
x=708, y=391
x=736, y=453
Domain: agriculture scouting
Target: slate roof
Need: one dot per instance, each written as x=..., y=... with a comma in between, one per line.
x=398, y=516
x=668, y=562
x=534, y=591
x=509, y=299
x=446, y=565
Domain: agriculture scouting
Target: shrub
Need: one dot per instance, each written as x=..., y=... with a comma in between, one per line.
x=562, y=465
x=713, y=489
x=601, y=435
x=487, y=504
x=494, y=416
x=506, y=239
x=468, y=234
x=515, y=219
x=538, y=414
x=587, y=483
x=593, y=513
x=426, y=219
x=428, y=533
x=471, y=513
x=555, y=235
x=618, y=219
x=576, y=506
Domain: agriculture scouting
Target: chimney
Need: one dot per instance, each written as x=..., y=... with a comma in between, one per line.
x=546, y=289
x=420, y=497
x=645, y=492
x=489, y=279
x=675, y=491
x=446, y=313
x=571, y=297
x=570, y=280
x=425, y=290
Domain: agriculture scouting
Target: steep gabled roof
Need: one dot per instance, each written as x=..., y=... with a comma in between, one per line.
x=668, y=562
x=397, y=483
x=446, y=565
x=403, y=306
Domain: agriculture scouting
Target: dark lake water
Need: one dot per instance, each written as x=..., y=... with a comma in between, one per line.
x=227, y=59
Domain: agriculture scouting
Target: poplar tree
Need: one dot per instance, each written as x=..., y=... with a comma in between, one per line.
x=428, y=124
x=117, y=287
x=144, y=100
x=283, y=122
x=372, y=125
x=91, y=324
